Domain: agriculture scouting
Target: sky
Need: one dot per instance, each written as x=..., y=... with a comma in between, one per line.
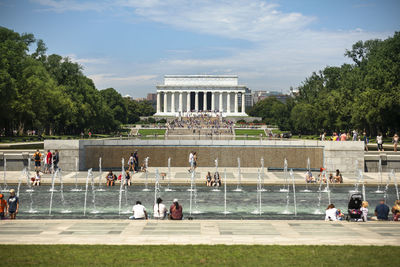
x=271, y=45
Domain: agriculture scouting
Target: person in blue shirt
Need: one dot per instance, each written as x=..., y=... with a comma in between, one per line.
x=382, y=211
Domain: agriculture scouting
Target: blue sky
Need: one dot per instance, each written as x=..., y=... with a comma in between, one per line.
x=271, y=45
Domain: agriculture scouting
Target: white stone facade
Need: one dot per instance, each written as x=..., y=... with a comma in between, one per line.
x=182, y=94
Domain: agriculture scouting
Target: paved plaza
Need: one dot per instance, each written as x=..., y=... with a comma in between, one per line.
x=180, y=175
x=230, y=232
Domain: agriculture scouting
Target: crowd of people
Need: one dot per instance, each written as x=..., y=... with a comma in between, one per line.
x=381, y=212
x=203, y=121
x=160, y=211
x=354, y=136
x=337, y=178
x=50, y=164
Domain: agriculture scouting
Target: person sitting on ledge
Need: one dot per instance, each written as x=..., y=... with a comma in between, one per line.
x=330, y=213
x=382, y=211
x=208, y=179
x=110, y=178
x=139, y=212
x=127, y=178
x=338, y=177
x=175, y=211
x=396, y=210
x=217, y=180
x=309, y=177
x=36, y=182
x=331, y=179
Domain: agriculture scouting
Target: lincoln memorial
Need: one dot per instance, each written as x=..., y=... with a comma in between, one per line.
x=183, y=94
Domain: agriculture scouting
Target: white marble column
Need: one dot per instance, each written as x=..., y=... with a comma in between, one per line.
x=180, y=102
x=188, y=101
x=196, y=101
x=236, y=102
x=173, y=102
x=158, y=102
x=220, y=102
x=228, y=102
x=205, y=101
x=243, y=103
x=212, y=101
x=165, y=102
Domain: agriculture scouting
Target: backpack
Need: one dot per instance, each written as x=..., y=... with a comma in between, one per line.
x=37, y=156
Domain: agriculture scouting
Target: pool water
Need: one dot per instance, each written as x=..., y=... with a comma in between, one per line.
x=209, y=204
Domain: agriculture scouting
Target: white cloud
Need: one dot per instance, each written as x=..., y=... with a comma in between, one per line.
x=284, y=51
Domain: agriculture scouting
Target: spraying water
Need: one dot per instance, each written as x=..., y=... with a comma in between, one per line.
x=28, y=178
x=53, y=177
x=308, y=172
x=20, y=180
x=393, y=175
x=216, y=189
x=225, y=210
x=262, y=174
x=64, y=210
x=239, y=186
x=5, y=187
x=318, y=210
x=362, y=185
x=86, y=190
x=191, y=191
x=52, y=190
x=122, y=184
x=146, y=164
x=285, y=177
x=258, y=209
x=169, y=189
x=379, y=190
x=100, y=187
x=92, y=183
x=385, y=193
x=294, y=192
x=157, y=187
x=76, y=189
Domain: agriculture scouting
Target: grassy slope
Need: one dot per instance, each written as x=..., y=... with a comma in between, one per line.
x=174, y=255
x=151, y=131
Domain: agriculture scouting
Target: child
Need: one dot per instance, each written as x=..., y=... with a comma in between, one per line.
x=364, y=210
x=36, y=182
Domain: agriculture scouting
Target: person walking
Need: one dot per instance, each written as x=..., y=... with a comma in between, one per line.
x=379, y=142
x=49, y=162
x=56, y=159
x=366, y=141
x=131, y=163
x=13, y=204
x=37, y=157
x=395, y=142
x=136, y=161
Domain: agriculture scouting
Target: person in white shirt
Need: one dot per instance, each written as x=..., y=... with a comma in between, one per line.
x=191, y=157
x=364, y=210
x=331, y=213
x=139, y=212
x=36, y=182
x=160, y=211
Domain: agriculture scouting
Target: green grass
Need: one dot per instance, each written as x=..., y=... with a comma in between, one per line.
x=197, y=255
x=151, y=131
x=249, y=132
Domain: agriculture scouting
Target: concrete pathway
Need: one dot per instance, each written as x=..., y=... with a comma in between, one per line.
x=230, y=232
x=180, y=175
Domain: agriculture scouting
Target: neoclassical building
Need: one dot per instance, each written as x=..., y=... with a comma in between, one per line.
x=193, y=93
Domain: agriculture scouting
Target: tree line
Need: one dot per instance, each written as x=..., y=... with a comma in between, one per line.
x=51, y=95
x=364, y=95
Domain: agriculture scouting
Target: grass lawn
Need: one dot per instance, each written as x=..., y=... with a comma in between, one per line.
x=249, y=132
x=219, y=255
x=151, y=131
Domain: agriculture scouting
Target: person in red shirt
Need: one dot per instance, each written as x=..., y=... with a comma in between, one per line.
x=3, y=207
x=175, y=211
x=49, y=159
